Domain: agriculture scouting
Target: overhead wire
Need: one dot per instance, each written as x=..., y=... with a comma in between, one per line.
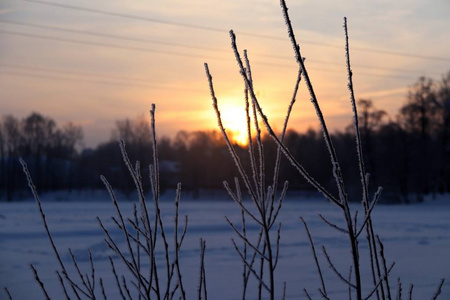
x=106, y=35
x=165, y=52
x=216, y=29
x=65, y=71
x=148, y=87
x=159, y=42
x=83, y=80
x=112, y=79
x=74, y=41
x=65, y=75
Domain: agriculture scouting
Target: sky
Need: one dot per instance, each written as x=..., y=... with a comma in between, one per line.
x=96, y=62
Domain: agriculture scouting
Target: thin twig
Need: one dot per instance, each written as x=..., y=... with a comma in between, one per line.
x=372, y=265
x=78, y=269
x=227, y=140
x=323, y=295
x=410, y=291
x=399, y=289
x=102, y=287
x=307, y=295
x=133, y=262
x=241, y=204
x=125, y=287
x=138, y=243
x=92, y=285
x=41, y=284
x=32, y=187
x=330, y=263
x=368, y=213
x=261, y=182
x=61, y=282
x=8, y=293
x=326, y=135
x=380, y=281
x=250, y=268
x=333, y=225
x=316, y=260
x=383, y=259
x=279, y=153
x=202, y=292
x=278, y=246
x=178, y=242
x=439, y=290
x=287, y=153
x=116, y=277
x=244, y=238
x=280, y=203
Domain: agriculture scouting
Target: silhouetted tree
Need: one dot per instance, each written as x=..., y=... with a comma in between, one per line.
x=370, y=121
x=443, y=100
x=50, y=151
x=12, y=139
x=419, y=118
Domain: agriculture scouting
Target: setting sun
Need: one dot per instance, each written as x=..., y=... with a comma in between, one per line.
x=234, y=121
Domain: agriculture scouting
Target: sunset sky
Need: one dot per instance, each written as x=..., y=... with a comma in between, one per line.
x=95, y=62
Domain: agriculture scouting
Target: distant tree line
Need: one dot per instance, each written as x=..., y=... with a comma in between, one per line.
x=50, y=151
x=409, y=155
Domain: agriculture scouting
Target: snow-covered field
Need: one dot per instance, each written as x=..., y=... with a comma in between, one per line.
x=417, y=238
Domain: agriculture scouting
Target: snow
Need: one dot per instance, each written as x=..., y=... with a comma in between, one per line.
x=416, y=237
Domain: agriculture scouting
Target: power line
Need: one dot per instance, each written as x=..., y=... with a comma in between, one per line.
x=103, y=35
x=106, y=35
x=168, y=52
x=127, y=16
x=215, y=29
x=94, y=81
x=73, y=72
x=125, y=81
x=50, y=77
x=74, y=41
x=109, y=83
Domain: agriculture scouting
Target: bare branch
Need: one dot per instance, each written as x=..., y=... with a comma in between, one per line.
x=241, y=204
x=125, y=287
x=61, y=282
x=335, y=270
x=244, y=238
x=326, y=135
x=278, y=246
x=250, y=268
x=41, y=284
x=116, y=277
x=202, y=291
x=103, y=289
x=410, y=291
x=313, y=249
x=227, y=140
x=439, y=290
x=8, y=293
x=280, y=203
x=288, y=155
x=383, y=258
x=368, y=212
x=333, y=225
x=380, y=281
x=307, y=295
